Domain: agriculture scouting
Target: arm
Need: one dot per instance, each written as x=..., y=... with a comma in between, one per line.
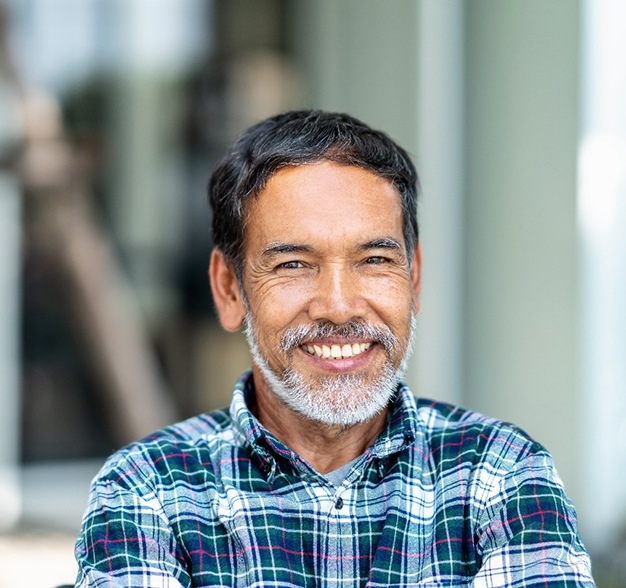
x=126, y=540
x=528, y=534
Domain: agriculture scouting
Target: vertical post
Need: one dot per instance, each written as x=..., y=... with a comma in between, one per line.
x=601, y=218
x=437, y=367
x=10, y=506
x=10, y=132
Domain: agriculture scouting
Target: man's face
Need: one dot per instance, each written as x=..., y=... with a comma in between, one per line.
x=330, y=291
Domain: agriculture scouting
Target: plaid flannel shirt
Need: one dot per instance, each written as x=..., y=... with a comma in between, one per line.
x=444, y=497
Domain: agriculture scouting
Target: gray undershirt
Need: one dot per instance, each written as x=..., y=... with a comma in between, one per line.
x=338, y=476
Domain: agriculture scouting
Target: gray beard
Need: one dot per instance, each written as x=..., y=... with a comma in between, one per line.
x=343, y=399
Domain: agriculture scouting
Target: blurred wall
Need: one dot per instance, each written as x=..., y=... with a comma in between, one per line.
x=360, y=56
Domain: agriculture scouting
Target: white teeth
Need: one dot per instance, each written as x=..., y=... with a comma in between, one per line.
x=337, y=351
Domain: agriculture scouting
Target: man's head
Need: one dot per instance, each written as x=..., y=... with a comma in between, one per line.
x=296, y=138
x=323, y=264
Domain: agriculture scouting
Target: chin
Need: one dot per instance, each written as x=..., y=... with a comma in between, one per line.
x=343, y=400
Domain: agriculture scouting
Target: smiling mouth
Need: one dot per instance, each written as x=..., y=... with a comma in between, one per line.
x=337, y=351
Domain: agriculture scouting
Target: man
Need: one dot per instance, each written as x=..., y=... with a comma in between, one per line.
x=326, y=471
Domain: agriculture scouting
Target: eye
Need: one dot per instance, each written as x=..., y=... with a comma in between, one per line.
x=377, y=260
x=290, y=265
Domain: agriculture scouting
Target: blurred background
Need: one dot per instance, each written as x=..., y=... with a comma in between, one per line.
x=112, y=115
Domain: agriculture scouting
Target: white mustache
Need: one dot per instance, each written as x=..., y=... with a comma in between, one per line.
x=295, y=336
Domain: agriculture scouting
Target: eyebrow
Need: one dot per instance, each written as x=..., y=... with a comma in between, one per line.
x=278, y=248
x=382, y=243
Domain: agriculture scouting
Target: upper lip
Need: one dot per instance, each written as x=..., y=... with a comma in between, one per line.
x=335, y=341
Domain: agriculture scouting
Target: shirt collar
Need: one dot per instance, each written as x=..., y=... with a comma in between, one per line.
x=247, y=427
x=402, y=425
x=401, y=431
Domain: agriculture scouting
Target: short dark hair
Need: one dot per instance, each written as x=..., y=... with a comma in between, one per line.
x=295, y=138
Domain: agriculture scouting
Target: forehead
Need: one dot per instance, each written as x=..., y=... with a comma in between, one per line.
x=324, y=200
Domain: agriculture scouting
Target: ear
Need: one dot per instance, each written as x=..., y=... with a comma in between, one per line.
x=226, y=292
x=416, y=277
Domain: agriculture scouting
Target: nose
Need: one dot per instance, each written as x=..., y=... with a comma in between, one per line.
x=338, y=297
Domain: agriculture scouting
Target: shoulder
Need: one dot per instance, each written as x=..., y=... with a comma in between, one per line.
x=198, y=429
x=457, y=435
x=187, y=449
x=485, y=460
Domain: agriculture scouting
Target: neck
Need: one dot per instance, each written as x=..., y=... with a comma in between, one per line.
x=325, y=447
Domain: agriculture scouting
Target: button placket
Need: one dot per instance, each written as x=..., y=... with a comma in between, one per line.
x=343, y=520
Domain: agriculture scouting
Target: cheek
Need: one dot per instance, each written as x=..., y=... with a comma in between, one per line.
x=278, y=302
x=273, y=313
x=391, y=297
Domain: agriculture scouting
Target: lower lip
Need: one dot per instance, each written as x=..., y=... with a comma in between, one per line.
x=347, y=364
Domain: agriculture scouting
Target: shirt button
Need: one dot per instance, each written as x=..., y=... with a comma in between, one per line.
x=339, y=503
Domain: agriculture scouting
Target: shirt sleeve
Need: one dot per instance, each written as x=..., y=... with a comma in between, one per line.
x=126, y=541
x=528, y=533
